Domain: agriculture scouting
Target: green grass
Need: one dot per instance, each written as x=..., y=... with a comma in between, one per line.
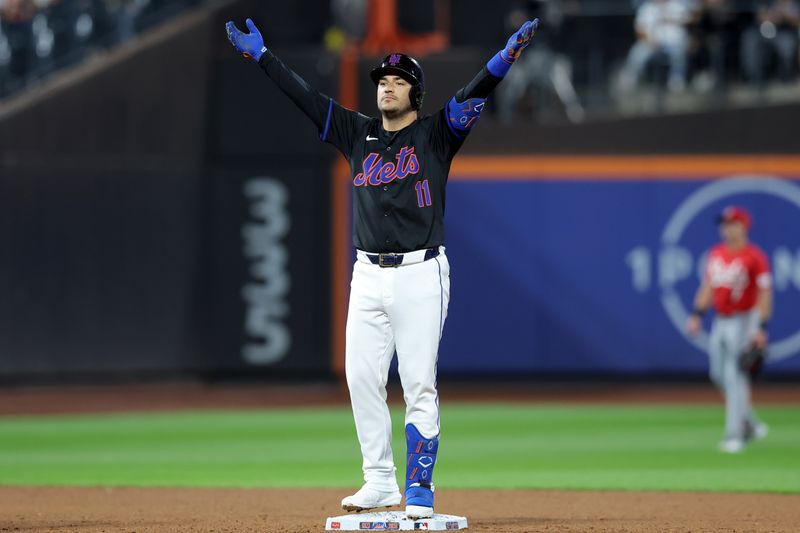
x=483, y=446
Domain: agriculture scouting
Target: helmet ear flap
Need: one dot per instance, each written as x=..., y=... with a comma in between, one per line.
x=416, y=95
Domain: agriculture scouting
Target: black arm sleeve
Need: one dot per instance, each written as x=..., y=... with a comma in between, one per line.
x=480, y=87
x=336, y=124
x=310, y=101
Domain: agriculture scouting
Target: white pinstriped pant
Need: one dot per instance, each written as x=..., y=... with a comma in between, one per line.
x=400, y=309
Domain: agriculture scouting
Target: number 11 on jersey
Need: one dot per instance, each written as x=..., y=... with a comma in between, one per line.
x=423, y=193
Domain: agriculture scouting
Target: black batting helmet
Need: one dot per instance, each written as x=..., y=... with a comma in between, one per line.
x=407, y=68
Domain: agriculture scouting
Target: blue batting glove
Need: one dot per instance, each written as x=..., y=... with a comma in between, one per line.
x=517, y=42
x=248, y=44
x=500, y=64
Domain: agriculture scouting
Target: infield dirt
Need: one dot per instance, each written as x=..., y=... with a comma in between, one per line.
x=270, y=510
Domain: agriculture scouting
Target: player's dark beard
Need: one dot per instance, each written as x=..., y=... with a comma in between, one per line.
x=395, y=114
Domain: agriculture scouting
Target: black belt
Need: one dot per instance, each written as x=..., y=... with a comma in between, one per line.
x=395, y=260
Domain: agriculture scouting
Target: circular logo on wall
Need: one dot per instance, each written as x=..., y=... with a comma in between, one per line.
x=676, y=261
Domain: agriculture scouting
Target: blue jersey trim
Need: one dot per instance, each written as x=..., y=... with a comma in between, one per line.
x=324, y=134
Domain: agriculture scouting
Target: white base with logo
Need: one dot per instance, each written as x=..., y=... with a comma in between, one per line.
x=394, y=521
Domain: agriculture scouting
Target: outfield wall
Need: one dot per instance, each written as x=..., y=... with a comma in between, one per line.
x=589, y=265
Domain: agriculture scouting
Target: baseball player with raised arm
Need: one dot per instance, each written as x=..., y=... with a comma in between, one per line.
x=400, y=287
x=738, y=284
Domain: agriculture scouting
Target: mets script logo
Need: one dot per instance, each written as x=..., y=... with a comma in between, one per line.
x=375, y=172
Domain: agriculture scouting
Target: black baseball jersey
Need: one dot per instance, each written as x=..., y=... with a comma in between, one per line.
x=398, y=177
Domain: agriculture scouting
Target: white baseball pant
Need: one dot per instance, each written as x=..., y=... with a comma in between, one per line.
x=400, y=309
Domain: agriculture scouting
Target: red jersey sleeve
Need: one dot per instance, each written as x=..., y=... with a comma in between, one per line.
x=761, y=272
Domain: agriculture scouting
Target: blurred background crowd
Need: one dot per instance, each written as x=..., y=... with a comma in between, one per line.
x=39, y=36
x=591, y=56
x=723, y=39
x=641, y=55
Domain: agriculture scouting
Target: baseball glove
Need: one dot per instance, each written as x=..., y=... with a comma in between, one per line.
x=751, y=361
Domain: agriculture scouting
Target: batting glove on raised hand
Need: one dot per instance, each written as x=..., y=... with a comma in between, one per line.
x=250, y=45
x=519, y=41
x=501, y=62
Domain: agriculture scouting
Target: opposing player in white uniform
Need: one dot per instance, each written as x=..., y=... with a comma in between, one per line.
x=738, y=284
x=401, y=279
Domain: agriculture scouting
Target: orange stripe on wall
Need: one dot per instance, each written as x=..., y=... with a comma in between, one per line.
x=678, y=167
x=340, y=248
x=340, y=221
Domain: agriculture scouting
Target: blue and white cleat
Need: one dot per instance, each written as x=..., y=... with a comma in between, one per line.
x=419, y=501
